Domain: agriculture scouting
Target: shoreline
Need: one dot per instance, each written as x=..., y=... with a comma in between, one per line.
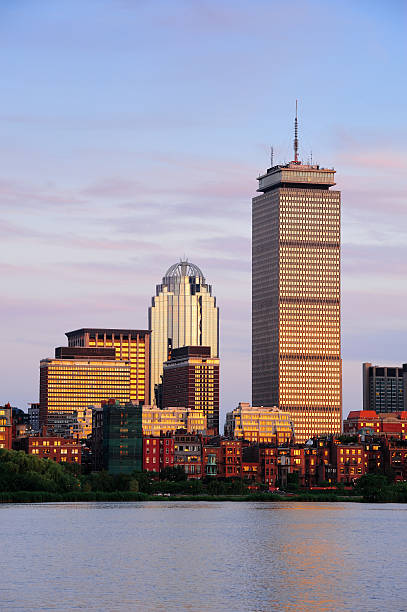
x=33, y=497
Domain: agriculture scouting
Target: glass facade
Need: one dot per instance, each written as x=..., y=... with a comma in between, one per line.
x=130, y=345
x=296, y=352
x=68, y=387
x=183, y=313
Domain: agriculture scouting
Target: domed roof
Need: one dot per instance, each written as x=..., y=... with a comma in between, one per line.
x=184, y=268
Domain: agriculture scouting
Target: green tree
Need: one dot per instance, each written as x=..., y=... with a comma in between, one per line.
x=374, y=488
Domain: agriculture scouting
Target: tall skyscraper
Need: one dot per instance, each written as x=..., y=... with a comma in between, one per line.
x=183, y=313
x=296, y=346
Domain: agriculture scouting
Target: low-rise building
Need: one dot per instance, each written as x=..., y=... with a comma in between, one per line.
x=54, y=448
x=188, y=453
x=6, y=426
x=259, y=424
x=157, y=421
x=386, y=424
x=396, y=459
x=158, y=453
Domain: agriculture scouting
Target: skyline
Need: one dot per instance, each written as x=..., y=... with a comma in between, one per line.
x=97, y=193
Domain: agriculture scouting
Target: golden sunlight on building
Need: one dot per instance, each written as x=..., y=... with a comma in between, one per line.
x=169, y=420
x=259, y=424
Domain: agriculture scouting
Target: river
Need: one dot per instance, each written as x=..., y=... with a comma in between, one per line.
x=199, y=556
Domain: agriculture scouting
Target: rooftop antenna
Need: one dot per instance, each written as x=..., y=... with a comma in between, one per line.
x=271, y=157
x=296, y=133
x=311, y=158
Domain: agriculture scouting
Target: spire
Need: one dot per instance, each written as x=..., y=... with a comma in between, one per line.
x=296, y=133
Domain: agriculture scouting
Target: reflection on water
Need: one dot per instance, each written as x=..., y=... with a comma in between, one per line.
x=203, y=556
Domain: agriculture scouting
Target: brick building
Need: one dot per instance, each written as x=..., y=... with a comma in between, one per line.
x=158, y=453
x=188, y=454
x=61, y=450
x=6, y=426
x=191, y=380
x=385, y=424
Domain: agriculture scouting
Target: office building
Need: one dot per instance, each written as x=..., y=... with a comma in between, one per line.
x=158, y=421
x=191, y=380
x=384, y=388
x=296, y=348
x=259, y=424
x=122, y=443
x=68, y=386
x=130, y=345
x=183, y=313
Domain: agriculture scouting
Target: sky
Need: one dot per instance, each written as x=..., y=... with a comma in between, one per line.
x=132, y=133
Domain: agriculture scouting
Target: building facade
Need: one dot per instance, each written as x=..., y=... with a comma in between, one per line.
x=188, y=454
x=259, y=424
x=69, y=386
x=183, y=313
x=158, y=453
x=122, y=437
x=34, y=416
x=54, y=448
x=6, y=426
x=369, y=422
x=296, y=347
x=384, y=388
x=131, y=346
x=191, y=380
x=157, y=421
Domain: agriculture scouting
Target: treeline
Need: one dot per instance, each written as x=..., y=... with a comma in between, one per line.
x=26, y=478
x=22, y=472
x=376, y=488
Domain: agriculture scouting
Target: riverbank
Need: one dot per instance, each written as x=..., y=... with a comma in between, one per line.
x=32, y=497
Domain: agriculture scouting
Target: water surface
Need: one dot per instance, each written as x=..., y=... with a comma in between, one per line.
x=199, y=556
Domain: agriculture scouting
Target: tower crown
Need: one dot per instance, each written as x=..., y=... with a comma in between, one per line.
x=184, y=268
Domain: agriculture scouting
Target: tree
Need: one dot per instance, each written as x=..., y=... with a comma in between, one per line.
x=374, y=488
x=176, y=473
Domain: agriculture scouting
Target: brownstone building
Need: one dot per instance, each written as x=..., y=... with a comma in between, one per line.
x=61, y=450
x=191, y=380
x=188, y=454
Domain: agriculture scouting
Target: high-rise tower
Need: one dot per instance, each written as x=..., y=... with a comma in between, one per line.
x=183, y=313
x=296, y=347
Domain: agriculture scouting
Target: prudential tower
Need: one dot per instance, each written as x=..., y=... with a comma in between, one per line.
x=183, y=313
x=296, y=343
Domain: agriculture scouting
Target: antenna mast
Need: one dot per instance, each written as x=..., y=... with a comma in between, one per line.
x=296, y=133
x=271, y=157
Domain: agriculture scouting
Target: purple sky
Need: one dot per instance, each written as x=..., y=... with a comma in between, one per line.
x=132, y=133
